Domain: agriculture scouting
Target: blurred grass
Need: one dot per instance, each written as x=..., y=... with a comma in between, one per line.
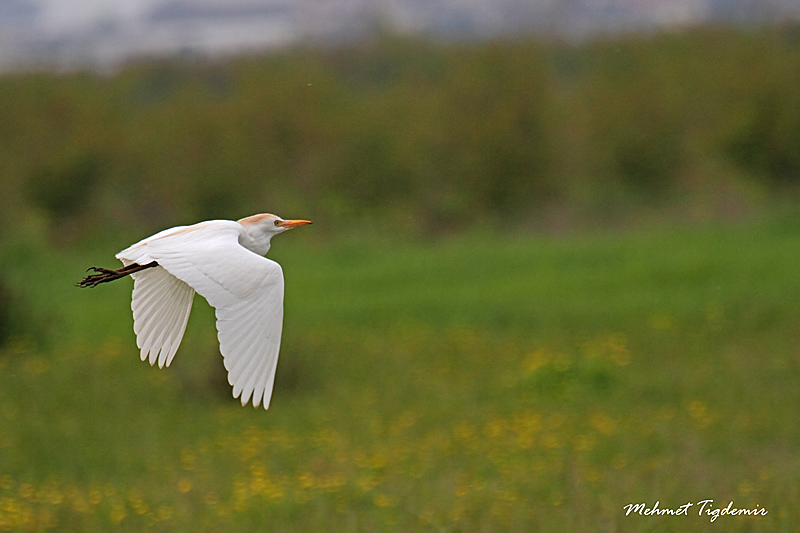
x=469, y=384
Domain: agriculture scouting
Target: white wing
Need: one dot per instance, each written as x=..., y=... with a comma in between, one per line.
x=246, y=291
x=161, y=305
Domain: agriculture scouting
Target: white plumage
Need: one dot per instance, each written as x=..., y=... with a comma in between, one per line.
x=223, y=261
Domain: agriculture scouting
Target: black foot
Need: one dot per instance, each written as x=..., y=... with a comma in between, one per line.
x=105, y=275
x=102, y=270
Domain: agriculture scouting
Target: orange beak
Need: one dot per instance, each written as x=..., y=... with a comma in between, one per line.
x=293, y=223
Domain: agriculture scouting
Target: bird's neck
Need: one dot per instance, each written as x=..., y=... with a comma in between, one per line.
x=255, y=241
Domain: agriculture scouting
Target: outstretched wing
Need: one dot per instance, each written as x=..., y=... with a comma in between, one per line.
x=161, y=305
x=246, y=291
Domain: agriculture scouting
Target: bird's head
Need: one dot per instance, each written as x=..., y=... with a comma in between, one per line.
x=261, y=228
x=270, y=224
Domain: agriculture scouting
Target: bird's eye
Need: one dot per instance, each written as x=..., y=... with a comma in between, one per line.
x=277, y=222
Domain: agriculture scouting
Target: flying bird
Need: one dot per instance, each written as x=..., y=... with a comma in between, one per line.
x=224, y=262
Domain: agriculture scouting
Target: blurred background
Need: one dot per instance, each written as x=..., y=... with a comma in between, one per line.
x=553, y=269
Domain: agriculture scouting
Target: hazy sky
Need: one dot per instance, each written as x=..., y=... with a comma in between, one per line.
x=57, y=15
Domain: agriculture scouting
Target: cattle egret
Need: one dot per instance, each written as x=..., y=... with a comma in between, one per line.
x=224, y=262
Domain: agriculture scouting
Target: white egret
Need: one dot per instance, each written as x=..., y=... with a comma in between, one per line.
x=224, y=262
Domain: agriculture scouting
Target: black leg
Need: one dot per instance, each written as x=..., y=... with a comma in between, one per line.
x=105, y=275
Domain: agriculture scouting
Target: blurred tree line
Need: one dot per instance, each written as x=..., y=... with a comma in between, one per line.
x=427, y=135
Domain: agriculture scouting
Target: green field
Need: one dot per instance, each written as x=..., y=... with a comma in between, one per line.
x=480, y=383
